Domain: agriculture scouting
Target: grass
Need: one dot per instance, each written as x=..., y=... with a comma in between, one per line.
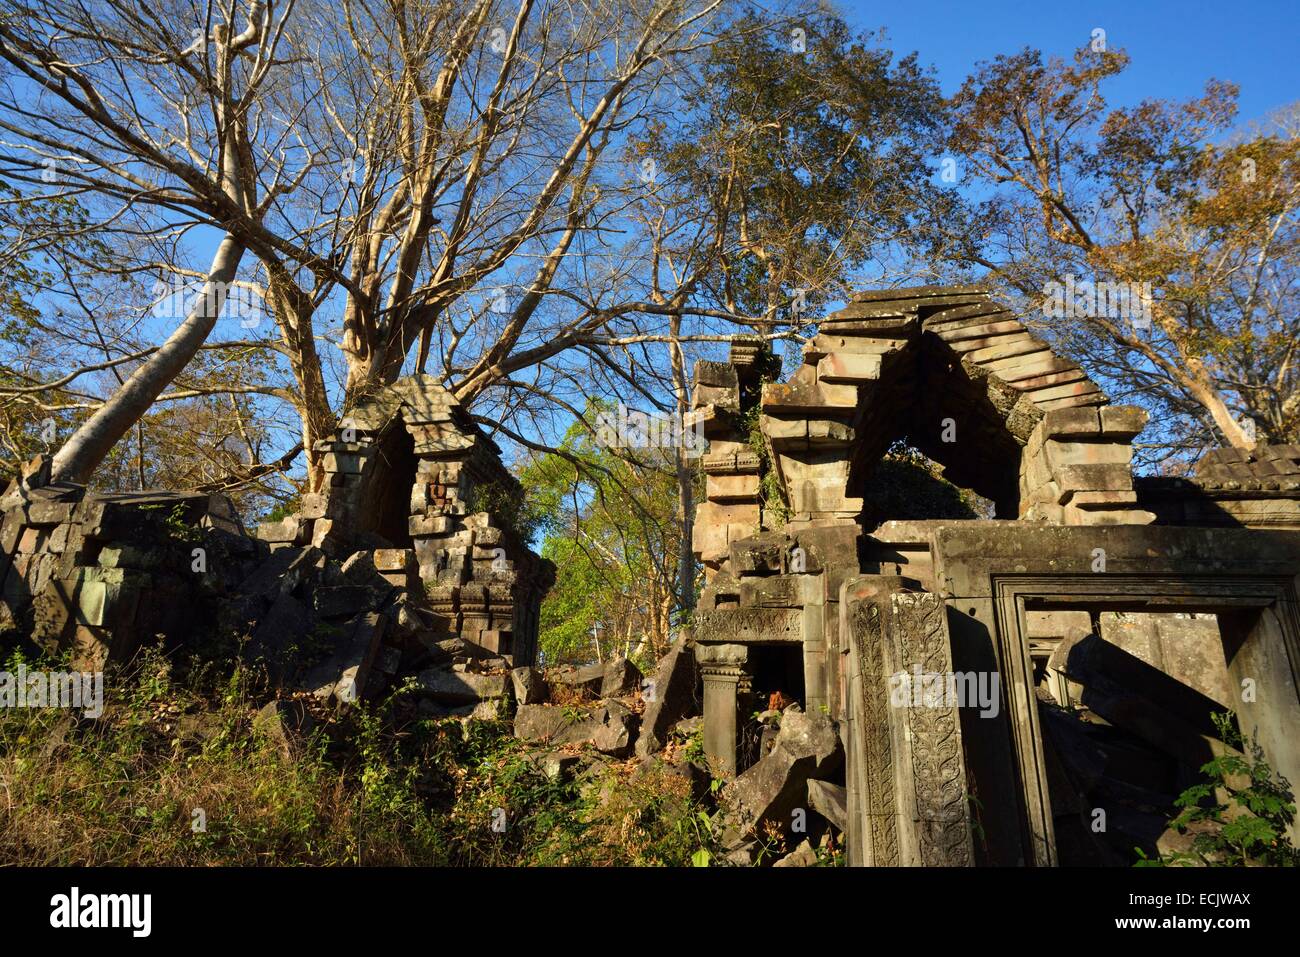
x=178, y=772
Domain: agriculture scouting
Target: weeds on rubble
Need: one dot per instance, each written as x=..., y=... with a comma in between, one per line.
x=178, y=770
x=831, y=853
x=694, y=747
x=1240, y=813
x=166, y=775
x=175, y=523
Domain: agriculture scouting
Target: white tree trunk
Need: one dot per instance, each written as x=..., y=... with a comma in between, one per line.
x=91, y=442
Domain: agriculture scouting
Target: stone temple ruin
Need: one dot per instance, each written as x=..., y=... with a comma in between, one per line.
x=406, y=555
x=942, y=691
x=1114, y=613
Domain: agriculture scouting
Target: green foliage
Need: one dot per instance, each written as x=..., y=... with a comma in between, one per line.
x=610, y=523
x=771, y=499
x=694, y=749
x=818, y=160
x=282, y=510
x=1179, y=195
x=508, y=506
x=26, y=226
x=1240, y=814
x=175, y=523
x=906, y=485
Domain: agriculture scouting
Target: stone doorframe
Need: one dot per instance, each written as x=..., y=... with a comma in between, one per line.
x=989, y=573
x=906, y=775
x=1257, y=612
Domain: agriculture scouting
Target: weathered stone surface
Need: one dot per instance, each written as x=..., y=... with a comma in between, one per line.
x=601, y=679
x=529, y=685
x=341, y=601
x=807, y=747
x=343, y=675
x=555, y=765
x=290, y=530
x=282, y=572
x=831, y=801
x=285, y=725
x=1083, y=422
x=1122, y=421
x=669, y=696
x=607, y=730
x=805, y=855
x=462, y=687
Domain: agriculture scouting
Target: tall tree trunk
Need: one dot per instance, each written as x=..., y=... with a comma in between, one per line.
x=295, y=310
x=685, y=497
x=91, y=442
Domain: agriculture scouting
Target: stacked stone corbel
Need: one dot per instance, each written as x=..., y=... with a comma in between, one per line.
x=732, y=509
x=1077, y=468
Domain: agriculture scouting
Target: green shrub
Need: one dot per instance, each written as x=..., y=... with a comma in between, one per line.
x=1241, y=812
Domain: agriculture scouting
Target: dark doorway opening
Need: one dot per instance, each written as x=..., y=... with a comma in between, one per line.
x=388, y=491
x=776, y=682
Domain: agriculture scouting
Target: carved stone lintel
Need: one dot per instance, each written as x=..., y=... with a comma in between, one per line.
x=750, y=625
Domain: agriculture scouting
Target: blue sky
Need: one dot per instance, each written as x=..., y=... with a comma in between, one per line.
x=1174, y=46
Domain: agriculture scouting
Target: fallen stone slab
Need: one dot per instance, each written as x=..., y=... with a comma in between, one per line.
x=462, y=687
x=489, y=709
x=343, y=675
x=342, y=601
x=529, y=685
x=807, y=747
x=830, y=801
x=688, y=726
x=555, y=765
x=287, y=621
x=285, y=724
x=600, y=680
x=669, y=696
x=802, y=856
x=1114, y=672
x=282, y=572
x=610, y=731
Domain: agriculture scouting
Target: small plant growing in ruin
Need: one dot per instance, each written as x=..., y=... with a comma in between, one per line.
x=1247, y=805
x=175, y=524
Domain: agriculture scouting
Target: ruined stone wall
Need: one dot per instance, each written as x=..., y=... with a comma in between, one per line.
x=104, y=574
x=1231, y=487
x=101, y=574
x=792, y=571
x=722, y=403
x=1076, y=468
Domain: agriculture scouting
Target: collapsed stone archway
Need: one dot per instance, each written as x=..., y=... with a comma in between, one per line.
x=950, y=369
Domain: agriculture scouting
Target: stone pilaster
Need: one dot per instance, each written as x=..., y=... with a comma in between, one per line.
x=726, y=678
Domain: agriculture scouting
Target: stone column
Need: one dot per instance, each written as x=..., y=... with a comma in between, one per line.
x=725, y=677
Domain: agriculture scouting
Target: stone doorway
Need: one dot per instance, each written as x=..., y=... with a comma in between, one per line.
x=386, y=499
x=1124, y=700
